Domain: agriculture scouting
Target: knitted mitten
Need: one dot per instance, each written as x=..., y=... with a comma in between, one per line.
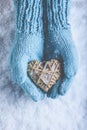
x=59, y=43
x=28, y=44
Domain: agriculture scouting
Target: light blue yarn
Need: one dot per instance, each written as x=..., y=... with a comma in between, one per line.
x=23, y=52
x=59, y=44
x=43, y=32
x=62, y=47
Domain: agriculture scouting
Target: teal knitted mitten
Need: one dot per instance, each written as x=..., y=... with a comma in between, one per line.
x=28, y=44
x=59, y=43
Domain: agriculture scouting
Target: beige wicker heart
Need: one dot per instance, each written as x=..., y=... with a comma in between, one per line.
x=44, y=74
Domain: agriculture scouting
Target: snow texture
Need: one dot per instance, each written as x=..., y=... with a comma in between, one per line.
x=17, y=109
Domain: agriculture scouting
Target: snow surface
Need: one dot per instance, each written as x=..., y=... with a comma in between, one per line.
x=17, y=110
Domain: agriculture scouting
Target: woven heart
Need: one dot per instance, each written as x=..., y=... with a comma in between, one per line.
x=44, y=74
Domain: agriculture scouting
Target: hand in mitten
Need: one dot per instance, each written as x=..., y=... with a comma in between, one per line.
x=28, y=44
x=59, y=44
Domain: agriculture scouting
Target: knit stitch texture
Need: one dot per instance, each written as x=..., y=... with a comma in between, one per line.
x=43, y=32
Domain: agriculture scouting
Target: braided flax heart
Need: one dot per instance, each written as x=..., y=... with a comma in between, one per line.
x=44, y=74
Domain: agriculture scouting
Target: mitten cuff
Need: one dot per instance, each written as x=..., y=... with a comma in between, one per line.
x=57, y=13
x=29, y=15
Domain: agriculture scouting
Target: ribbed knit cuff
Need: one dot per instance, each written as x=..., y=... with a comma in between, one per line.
x=57, y=13
x=29, y=15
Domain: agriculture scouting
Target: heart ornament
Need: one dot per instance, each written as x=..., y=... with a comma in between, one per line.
x=44, y=74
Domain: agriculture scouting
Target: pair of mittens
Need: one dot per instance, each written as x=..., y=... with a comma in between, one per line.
x=42, y=32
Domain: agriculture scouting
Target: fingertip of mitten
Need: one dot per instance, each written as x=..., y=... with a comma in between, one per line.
x=53, y=96
x=36, y=93
x=53, y=93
